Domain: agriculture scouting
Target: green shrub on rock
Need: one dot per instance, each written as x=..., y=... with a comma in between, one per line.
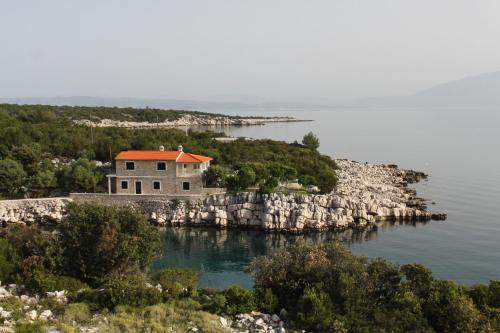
x=265, y=300
x=235, y=300
x=131, y=291
x=177, y=281
x=98, y=241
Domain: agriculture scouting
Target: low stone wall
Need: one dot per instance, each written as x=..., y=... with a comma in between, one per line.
x=47, y=210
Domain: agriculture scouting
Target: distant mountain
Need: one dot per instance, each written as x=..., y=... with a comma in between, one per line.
x=216, y=104
x=479, y=90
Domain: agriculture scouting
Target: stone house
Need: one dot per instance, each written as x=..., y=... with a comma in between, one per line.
x=158, y=172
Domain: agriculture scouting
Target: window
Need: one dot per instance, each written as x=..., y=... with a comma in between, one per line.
x=185, y=166
x=124, y=185
x=129, y=165
x=161, y=166
x=185, y=186
x=156, y=185
x=196, y=166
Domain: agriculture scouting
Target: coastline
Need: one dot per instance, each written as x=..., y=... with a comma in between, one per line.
x=365, y=194
x=190, y=120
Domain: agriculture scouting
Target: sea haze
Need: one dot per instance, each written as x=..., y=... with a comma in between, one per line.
x=457, y=147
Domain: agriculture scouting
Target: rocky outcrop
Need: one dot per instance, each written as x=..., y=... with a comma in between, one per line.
x=186, y=120
x=47, y=210
x=365, y=194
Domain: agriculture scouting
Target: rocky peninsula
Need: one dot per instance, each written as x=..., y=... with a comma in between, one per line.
x=187, y=120
x=365, y=194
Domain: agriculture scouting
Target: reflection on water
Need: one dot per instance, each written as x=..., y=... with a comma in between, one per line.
x=220, y=255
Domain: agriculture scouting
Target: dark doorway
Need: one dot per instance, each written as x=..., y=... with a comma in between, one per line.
x=138, y=187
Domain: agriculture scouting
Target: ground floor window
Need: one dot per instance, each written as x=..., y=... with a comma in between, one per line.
x=124, y=185
x=156, y=185
x=186, y=186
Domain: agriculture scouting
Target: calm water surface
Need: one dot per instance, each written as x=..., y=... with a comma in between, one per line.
x=459, y=149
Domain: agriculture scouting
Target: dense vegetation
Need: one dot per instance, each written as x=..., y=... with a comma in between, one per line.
x=97, y=113
x=323, y=288
x=42, y=152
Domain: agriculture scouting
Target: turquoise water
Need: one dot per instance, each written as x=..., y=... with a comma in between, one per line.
x=459, y=149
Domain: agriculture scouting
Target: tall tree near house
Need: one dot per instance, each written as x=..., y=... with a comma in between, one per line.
x=311, y=141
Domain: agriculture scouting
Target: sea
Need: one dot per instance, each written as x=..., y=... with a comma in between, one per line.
x=459, y=148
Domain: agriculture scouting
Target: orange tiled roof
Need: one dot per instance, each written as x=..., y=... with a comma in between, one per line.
x=171, y=155
x=192, y=158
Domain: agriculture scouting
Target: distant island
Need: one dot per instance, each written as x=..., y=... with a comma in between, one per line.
x=472, y=91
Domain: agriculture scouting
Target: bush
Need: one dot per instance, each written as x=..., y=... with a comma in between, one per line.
x=101, y=240
x=24, y=327
x=79, y=312
x=7, y=267
x=12, y=177
x=80, y=175
x=130, y=291
x=314, y=311
x=177, y=281
x=265, y=300
x=235, y=300
x=326, y=288
x=42, y=282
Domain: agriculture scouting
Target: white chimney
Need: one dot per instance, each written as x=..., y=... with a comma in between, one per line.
x=179, y=148
x=162, y=148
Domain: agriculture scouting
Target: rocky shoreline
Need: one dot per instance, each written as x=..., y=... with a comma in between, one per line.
x=188, y=120
x=365, y=194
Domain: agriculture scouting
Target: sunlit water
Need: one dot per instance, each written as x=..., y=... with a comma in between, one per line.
x=459, y=149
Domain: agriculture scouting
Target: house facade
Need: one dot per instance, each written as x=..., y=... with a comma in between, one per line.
x=158, y=172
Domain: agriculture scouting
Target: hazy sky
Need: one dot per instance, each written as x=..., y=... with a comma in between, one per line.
x=193, y=49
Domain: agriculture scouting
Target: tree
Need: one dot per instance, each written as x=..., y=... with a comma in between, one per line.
x=311, y=141
x=44, y=176
x=12, y=176
x=449, y=309
x=215, y=176
x=80, y=175
x=101, y=240
x=28, y=154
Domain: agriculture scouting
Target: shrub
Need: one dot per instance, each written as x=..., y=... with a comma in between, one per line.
x=236, y=300
x=101, y=240
x=24, y=327
x=78, y=312
x=265, y=300
x=7, y=267
x=314, y=311
x=12, y=176
x=80, y=175
x=130, y=291
x=177, y=281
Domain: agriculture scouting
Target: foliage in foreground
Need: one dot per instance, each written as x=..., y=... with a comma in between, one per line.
x=325, y=288
x=92, y=243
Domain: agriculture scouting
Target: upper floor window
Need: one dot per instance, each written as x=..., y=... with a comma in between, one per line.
x=196, y=166
x=161, y=166
x=186, y=186
x=156, y=185
x=129, y=165
x=185, y=166
x=124, y=185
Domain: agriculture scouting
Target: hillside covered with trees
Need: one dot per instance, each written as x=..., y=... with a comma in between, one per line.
x=42, y=153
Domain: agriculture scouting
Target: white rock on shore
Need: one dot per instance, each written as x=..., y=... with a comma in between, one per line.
x=365, y=194
x=185, y=120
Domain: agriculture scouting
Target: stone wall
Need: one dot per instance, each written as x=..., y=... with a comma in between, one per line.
x=49, y=210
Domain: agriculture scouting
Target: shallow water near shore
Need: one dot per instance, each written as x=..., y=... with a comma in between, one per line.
x=458, y=148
